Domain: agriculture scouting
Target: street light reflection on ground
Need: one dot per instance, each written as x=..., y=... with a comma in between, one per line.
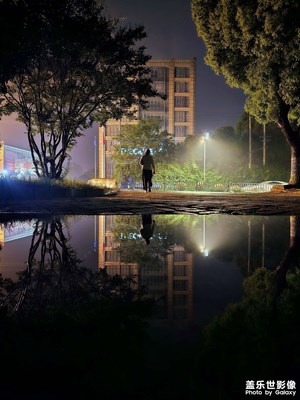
x=203, y=248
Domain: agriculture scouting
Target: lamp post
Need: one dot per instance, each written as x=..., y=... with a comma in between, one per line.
x=204, y=139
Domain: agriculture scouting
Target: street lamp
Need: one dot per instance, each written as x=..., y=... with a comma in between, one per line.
x=205, y=137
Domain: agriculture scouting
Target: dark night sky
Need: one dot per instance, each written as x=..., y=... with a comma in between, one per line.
x=171, y=34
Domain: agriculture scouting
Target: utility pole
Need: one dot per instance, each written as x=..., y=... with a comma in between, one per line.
x=264, y=145
x=250, y=141
x=95, y=156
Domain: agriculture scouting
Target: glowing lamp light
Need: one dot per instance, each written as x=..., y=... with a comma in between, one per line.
x=204, y=251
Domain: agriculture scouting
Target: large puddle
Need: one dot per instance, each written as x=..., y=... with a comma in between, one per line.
x=194, y=266
x=232, y=281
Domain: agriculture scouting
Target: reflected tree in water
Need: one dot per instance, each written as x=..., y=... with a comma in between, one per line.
x=64, y=328
x=169, y=231
x=291, y=258
x=250, y=241
x=257, y=338
x=131, y=246
x=54, y=277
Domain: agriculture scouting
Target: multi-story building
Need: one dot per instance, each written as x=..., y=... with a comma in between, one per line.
x=170, y=282
x=176, y=81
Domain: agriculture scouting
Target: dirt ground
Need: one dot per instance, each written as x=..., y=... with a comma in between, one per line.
x=285, y=202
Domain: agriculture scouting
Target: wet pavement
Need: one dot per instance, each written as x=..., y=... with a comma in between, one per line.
x=285, y=202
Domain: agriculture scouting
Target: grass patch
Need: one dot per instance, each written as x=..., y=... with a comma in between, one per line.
x=16, y=189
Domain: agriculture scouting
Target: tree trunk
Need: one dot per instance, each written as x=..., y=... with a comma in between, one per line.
x=293, y=139
x=295, y=166
x=291, y=257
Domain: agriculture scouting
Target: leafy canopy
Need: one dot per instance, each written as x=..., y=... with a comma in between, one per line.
x=133, y=140
x=255, y=45
x=85, y=68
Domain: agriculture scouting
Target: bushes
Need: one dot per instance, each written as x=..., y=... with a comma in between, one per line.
x=188, y=176
x=15, y=189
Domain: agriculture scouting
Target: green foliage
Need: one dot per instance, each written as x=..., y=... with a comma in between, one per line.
x=18, y=40
x=226, y=133
x=277, y=149
x=180, y=167
x=133, y=140
x=255, y=45
x=169, y=231
x=257, y=337
x=189, y=176
x=86, y=68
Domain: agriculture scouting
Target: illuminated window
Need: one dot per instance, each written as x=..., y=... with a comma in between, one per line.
x=181, y=101
x=182, y=72
x=112, y=256
x=109, y=222
x=109, y=166
x=159, y=74
x=157, y=104
x=109, y=241
x=161, y=87
x=181, y=116
x=179, y=256
x=181, y=87
x=112, y=130
x=180, y=131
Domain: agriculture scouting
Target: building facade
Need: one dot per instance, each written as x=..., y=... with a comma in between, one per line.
x=176, y=81
x=14, y=160
x=170, y=282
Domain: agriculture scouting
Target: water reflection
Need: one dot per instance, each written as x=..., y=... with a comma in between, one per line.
x=147, y=228
x=291, y=258
x=193, y=266
x=257, y=337
x=54, y=277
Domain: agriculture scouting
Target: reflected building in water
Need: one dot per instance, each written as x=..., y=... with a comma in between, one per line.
x=175, y=277
x=14, y=245
x=170, y=282
x=1, y=237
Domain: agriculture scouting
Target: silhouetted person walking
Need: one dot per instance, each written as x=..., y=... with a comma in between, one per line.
x=147, y=228
x=148, y=169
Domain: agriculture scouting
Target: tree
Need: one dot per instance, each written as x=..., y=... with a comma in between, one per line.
x=87, y=68
x=18, y=40
x=276, y=147
x=256, y=46
x=133, y=140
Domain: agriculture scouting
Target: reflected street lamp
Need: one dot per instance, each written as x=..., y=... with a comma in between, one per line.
x=203, y=248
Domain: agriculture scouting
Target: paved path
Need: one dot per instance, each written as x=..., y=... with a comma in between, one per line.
x=137, y=202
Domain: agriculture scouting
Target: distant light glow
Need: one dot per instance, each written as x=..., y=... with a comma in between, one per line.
x=204, y=251
x=206, y=135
